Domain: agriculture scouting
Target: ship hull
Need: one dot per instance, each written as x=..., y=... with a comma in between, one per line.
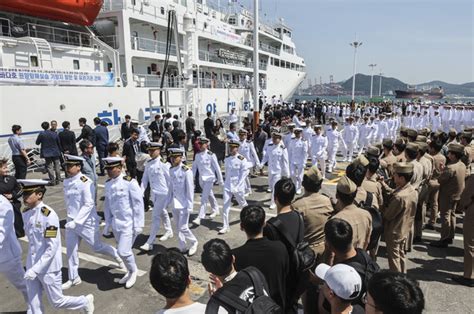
x=418, y=95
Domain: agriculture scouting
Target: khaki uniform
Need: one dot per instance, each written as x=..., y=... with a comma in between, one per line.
x=316, y=209
x=415, y=182
x=398, y=217
x=401, y=157
x=371, y=185
x=451, y=183
x=361, y=223
x=469, y=152
x=389, y=160
x=433, y=184
x=427, y=162
x=466, y=204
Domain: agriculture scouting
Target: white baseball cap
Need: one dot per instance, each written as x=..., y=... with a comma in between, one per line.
x=342, y=279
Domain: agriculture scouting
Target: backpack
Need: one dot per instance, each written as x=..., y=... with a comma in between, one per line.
x=302, y=257
x=232, y=303
x=377, y=223
x=366, y=271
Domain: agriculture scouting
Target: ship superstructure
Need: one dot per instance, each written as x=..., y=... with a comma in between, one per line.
x=56, y=70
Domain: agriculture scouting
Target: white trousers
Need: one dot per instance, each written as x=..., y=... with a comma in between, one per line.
x=296, y=173
x=125, y=240
x=159, y=214
x=332, y=151
x=207, y=195
x=348, y=151
x=51, y=283
x=181, y=219
x=319, y=161
x=363, y=143
x=89, y=232
x=272, y=179
x=239, y=196
x=13, y=271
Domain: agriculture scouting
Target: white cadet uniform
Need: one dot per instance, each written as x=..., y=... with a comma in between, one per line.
x=157, y=176
x=278, y=164
x=365, y=134
x=236, y=171
x=209, y=171
x=82, y=215
x=319, y=144
x=297, y=156
x=44, y=258
x=123, y=210
x=10, y=250
x=382, y=131
x=247, y=149
x=181, y=198
x=334, y=137
x=350, y=134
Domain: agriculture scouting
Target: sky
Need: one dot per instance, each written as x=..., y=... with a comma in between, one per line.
x=415, y=41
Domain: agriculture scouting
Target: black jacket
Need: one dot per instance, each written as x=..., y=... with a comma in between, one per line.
x=68, y=142
x=125, y=131
x=86, y=133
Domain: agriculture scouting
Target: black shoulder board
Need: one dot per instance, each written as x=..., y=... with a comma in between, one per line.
x=283, y=146
x=45, y=211
x=210, y=153
x=185, y=168
x=108, y=180
x=127, y=178
x=241, y=157
x=270, y=144
x=84, y=179
x=249, y=141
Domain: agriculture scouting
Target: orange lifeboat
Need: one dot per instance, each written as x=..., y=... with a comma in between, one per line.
x=81, y=12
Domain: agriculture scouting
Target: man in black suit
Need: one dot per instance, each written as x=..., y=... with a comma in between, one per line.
x=50, y=150
x=208, y=125
x=86, y=132
x=126, y=128
x=102, y=139
x=155, y=128
x=67, y=138
x=130, y=149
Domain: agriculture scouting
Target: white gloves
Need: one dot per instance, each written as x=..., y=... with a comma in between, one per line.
x=30, y=275
x=70, y=225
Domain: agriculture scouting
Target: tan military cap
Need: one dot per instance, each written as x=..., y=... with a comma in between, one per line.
x=314, y=174
x=346, y=186
x=403, y=167
x=421, y=138
x=422, y=146
x=455, y=147
x=452, y=131
x=373, y=151
x=466, y=135
x=412, y=146
x=399, y=141
x=361, y=160
x=412, y=133
x=387, y=142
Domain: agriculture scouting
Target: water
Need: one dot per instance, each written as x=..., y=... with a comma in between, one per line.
x=347, y=99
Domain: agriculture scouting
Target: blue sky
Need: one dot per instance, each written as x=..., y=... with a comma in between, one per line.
x=413, y=40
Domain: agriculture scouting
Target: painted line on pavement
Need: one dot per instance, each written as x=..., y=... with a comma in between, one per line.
x=438, y=236
x=96, y=260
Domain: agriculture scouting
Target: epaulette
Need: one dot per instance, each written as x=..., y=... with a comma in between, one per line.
x=107, y=180
x=84, y=179
x=249, y=141
x=283, y=146
x=127, y=178
x=51, y=232
x=270, y=144
x=241, y=157
x=185, y=168
x=210, y=153
x=45, y=211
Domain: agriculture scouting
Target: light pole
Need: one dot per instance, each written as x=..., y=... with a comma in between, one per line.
x=356, y=44
x=372, y=66
x=256, y=77
x=380, y=83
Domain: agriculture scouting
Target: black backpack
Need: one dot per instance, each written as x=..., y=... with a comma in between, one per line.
x=377, y=223
x=302, y=257
x=365, y=271
x=232, y=303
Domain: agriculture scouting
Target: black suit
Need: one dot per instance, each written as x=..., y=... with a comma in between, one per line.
x=129, y=150
x=125, y=130
x=155, y=130
x=208, y=126
x=9, y=185
x=87, y=133
x=68, y=142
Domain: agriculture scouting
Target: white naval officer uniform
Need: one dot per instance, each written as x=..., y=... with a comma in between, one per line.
x=157, y=176
x=350, y=135
x=44, y=261
x=82, y=222
x=123, y=210
x=209, y=171
x=319, y=144
x=297, y=156
x=10, y=250
x=236, y=171
x=278, y=165
x=181, y=198
x=247, y=149
x=334, y=137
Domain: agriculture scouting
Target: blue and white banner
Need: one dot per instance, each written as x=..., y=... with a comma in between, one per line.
x=29, y=76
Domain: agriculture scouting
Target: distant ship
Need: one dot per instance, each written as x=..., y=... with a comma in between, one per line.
x=427, y=93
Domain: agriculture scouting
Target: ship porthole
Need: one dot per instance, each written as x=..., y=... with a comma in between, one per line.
x=111, y=105
x=62, y=107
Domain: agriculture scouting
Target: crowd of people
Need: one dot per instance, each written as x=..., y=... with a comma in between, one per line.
x=406, y=166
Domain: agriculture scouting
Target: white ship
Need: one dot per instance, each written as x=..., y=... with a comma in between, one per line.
x=51, y=69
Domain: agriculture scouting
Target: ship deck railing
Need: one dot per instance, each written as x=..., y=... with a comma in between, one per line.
x=49, y=33
x=217, y=83
x=110, y=40
x=211, y=56
x=150, y=80
x=151, y=45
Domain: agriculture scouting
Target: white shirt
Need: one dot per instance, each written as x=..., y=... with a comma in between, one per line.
x=236, y=171
x=195, y=308
x=277, y=158
x=298, y=151
x=79, y=193
x=247, y=149
x=182, y=192
x=9, y=246
x=319, y=143
x=157, y=175
x=208, y=167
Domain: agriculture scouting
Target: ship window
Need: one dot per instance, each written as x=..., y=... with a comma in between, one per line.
x=109, y=67
x=34, y=61
x=232, y=20
x=76, y=64
x=162, y=10
x=148, y=70
x=205, y=25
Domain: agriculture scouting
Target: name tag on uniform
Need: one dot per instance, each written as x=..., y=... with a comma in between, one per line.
x=51, y=232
